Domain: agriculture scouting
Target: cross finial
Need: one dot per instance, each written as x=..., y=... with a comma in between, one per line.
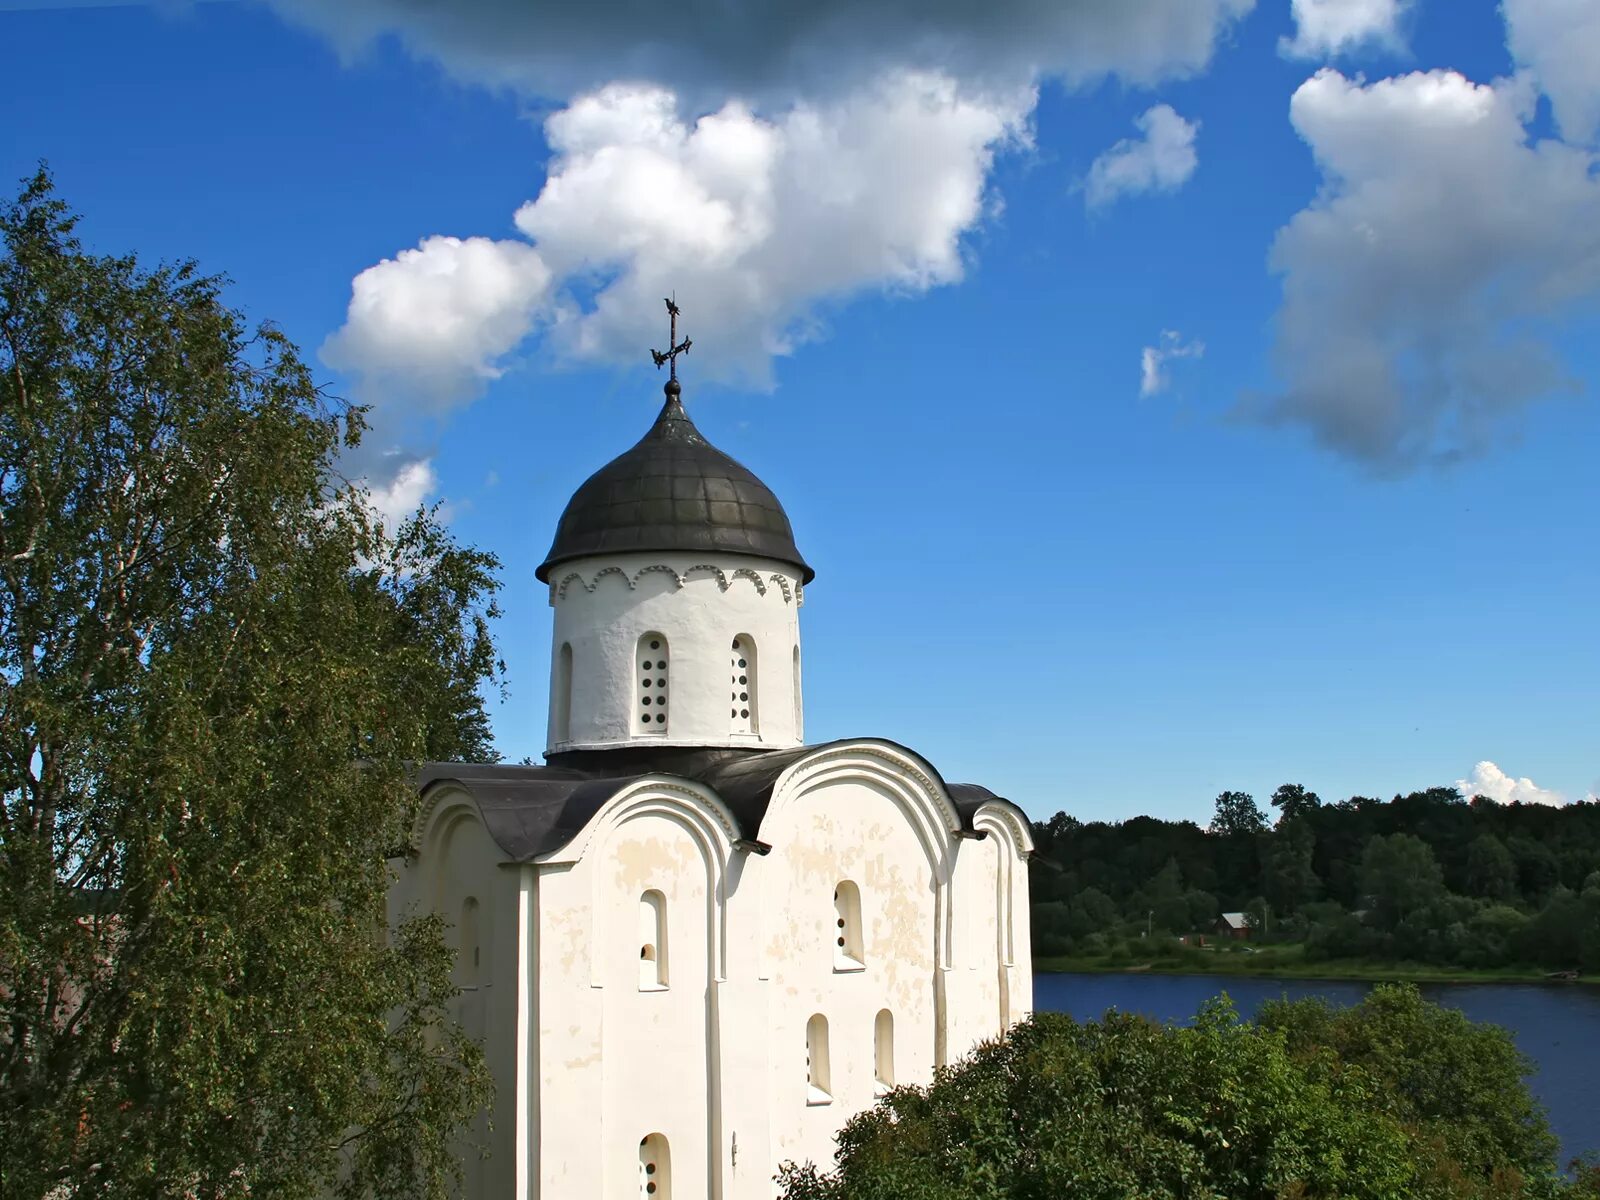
x=674, y=346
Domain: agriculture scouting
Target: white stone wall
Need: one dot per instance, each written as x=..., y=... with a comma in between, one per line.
x=700, y=604
x=590, y=1057
x=457, y=862
x=854, y=821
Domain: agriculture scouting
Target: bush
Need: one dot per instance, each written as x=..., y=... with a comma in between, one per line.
x=1395, y=1098
x=1455, y=1084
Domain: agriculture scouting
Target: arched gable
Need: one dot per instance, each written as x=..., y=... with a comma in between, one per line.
x=443, y=805
x=908, y=781
x=1005, y=820
x=908, y=778
x=1002, y=831
x=1007, y=829
x=690, y=807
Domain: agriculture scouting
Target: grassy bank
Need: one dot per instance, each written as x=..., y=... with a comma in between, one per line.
x=1289, y=962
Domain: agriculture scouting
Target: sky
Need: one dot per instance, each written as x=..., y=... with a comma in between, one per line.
x=1172, y=395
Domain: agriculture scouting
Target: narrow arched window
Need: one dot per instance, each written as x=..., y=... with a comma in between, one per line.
x=651, y=694
x=561, y=697
x=470, y=957
x=848, y=953
x=819, y=1087
x=799, y=725
x=883, y=1053
x=742, y=685
x=655, y=1167
x=652, y=941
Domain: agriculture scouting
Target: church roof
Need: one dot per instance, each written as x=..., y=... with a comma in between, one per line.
x=531, y=811
x=673, y=491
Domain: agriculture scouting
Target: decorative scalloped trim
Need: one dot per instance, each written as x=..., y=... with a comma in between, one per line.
x=722, y=579
x=747, y=573
x=795, y=595
x=677, y=581
x=558, y=590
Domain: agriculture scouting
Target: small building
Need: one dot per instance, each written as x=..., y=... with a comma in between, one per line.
x=1234, y=925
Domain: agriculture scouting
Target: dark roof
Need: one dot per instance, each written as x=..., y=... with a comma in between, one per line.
x=673, y=491
x=970, y=797
x=530, y=811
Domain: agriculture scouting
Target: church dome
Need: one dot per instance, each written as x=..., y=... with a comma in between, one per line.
x=673, y=491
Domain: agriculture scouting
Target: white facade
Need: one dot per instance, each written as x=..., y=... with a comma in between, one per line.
x=726, y=656
x=709, y=1044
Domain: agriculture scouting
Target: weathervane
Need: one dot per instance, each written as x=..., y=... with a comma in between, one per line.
x=675, y=347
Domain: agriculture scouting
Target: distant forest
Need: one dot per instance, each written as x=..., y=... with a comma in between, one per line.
x=1427, y=878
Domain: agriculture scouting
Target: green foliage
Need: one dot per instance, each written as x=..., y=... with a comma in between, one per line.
x=1424, y=878
x=1288, y=876
x=1293, y=800
x=1238, y=815
x=1399, y=875
x=1491, y=871
x=214, y=671
x=1456, y=1086
x=1394, y=1098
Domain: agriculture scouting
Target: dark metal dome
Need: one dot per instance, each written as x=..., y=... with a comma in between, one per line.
x=673, y=491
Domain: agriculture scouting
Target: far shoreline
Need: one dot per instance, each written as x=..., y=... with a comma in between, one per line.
x=1333, y=970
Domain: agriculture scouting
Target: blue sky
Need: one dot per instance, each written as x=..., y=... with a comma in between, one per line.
x=1342, y=533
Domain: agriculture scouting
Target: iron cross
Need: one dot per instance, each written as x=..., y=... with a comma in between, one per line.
x=676, y=347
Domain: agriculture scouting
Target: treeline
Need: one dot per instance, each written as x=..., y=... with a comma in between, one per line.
x=1428, y=877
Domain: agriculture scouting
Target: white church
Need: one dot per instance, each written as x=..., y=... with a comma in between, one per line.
x=693, y=946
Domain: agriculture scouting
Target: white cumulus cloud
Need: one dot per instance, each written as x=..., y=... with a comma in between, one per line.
x=1419, y=284
x=1489, y=780
x=433, y=323
x=1325, y=28
x=1161, y=160
x=1559, y=42
x=1153, y=378
x=752, y=221
x=756, y=221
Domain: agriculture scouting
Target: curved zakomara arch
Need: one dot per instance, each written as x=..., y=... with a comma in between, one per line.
x=694, y=809
x=445, y=807
x=1005, y=828
x=1006, y=820
x=445, y=803
x=914, y=788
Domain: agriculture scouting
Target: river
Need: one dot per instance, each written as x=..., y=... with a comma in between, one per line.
x=1556, y=1025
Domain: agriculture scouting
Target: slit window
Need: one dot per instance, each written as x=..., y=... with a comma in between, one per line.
x=651, y=662
x=652, y=941
x=655, y=1168
x=883, y=1053
x=799, y=725
x=561, y=700
x=848, y=952
x=742, y=685
x=819, y=1087
x=470, y=957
